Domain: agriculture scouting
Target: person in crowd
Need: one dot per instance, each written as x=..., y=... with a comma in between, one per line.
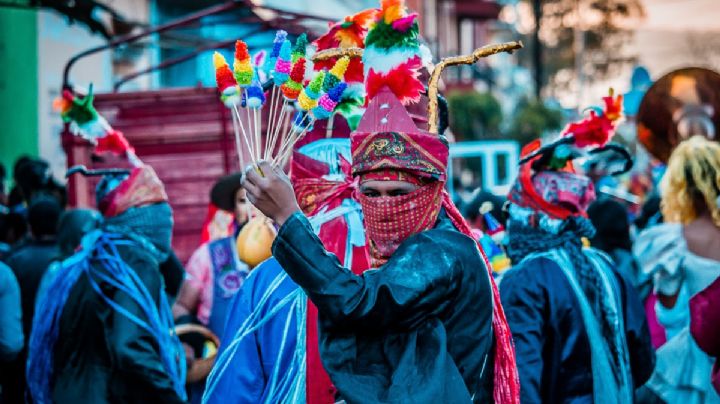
x=612, y=236
x=113, y=290
x=424, y=326
x=72, y=226
x=245, y=373
x=29, y=261
x=11, y=331
x=206, y=292
x=650, y=213
x=682, y=257
x=472, y=209
x=33, y=178
x=579, y=328
x=705, y=325
x=258, y=366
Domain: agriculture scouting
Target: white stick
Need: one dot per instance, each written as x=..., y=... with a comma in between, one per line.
x=271, y=116
x=277, y=135
x=245, y=136
x=238, y=146
x=295, y=134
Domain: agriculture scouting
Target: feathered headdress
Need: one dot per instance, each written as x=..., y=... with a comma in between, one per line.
x=392, y=56
x=84, y=120
x=547, y=181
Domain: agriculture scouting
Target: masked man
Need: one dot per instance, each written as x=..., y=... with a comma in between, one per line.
x=421, y=327
x=579, y=328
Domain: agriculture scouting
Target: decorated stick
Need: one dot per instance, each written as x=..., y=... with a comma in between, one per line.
x=242, y=66
x=300, y=48
x=309, y=95
x=269, y=65
x=283, y=65
x=226, y=82
x=292, y=87
x=328, y=101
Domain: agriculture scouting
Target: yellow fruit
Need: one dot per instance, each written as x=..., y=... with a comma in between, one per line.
x=255, y=241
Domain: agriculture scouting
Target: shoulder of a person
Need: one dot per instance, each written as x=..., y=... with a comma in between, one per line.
x=6, y=273
x=532, y=271
x=138, y=258
x=449, y=240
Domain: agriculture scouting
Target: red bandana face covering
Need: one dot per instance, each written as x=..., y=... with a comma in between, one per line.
x=390, y=220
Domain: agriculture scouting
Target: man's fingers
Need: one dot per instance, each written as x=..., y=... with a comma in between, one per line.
x=252, y=175
x=252, y=190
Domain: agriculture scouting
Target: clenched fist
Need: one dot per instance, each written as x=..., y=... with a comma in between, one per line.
x=270, y=191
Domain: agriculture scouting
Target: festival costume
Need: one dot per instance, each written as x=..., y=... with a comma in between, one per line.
x=578, y=325
x=420, y=327
x=683, y=369
x=269, y=352
x=214, y=268
x=106, y=329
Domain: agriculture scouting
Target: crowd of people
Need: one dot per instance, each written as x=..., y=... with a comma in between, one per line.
x=357, y=278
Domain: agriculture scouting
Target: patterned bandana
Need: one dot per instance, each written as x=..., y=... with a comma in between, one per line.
x=390, y=220
x=143, y=187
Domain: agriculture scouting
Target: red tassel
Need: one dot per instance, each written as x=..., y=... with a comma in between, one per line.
x=506, y=383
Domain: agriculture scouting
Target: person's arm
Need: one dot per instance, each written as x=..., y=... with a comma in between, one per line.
x=246, y=360
x=190, y=298
x=11, y=330
x=524, y=303
x=414, y=284
x=133, y=348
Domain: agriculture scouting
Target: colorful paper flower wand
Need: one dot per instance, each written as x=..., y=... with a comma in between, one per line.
x=254, y=96
x=226, y=83
x=269, y=64
x=292, y=87
x=336, y=73
x=328, y=101
x=309, y=95
x=242, y=66
x=281, y=74
x=300, y=48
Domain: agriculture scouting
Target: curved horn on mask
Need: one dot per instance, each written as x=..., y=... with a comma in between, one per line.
x=478, y=54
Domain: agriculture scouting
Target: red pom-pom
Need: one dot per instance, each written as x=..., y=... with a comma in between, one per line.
x=402, y=81
x=297, y=74
x=224, y=78
x=241, y=51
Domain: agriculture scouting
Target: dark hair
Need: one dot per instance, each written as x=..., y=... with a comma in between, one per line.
x=612, y=225
x=650, y=213
x=471, y=210
x=43, y=216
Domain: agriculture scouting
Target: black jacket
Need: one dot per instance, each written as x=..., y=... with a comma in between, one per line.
x=551, y=344
x=103, y=357
x=29, y=262
x=418, y=329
